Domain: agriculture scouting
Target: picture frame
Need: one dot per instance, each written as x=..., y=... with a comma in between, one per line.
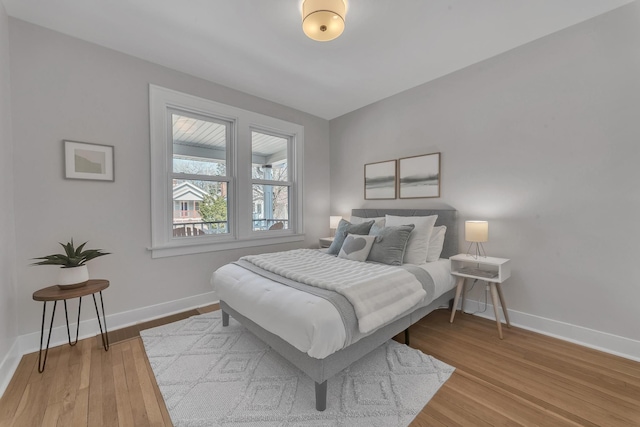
x=83, y=160
x=380, y=180
x=419, y=176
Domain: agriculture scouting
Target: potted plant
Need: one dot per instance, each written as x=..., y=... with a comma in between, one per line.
x=73, y=271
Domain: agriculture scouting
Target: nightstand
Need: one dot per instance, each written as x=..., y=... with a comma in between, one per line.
x=325, y=242
x=492, y=270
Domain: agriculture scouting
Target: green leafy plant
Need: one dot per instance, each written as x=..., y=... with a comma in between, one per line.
x=72, y=257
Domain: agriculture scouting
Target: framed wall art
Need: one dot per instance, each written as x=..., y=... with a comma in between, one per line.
x=419, y=176
x=83, y=160
x=380, y=180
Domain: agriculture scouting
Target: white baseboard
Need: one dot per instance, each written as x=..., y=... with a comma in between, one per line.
x=29, y=343
x=603, y=341
x=9, y=365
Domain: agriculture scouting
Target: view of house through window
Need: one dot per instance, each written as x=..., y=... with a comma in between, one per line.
x=199, y=180
x=270, y=178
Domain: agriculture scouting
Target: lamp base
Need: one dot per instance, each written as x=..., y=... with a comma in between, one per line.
x=478, y=250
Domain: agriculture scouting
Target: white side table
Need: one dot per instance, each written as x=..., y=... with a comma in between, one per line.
x=492, y=270
x=325, y=242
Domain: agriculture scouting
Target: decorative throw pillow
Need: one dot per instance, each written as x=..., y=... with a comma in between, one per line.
x=344, y=228
x=390, y=244
x=356, y=247
x=379, y=220
x=418, y=244
x=436, y=242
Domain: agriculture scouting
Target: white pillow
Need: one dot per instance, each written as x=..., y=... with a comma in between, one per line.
x=356, y=247
x=418, y=244
x=436, y=242
x=379, y=221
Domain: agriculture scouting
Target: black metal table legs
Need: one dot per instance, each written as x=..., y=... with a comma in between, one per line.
x=104, y=334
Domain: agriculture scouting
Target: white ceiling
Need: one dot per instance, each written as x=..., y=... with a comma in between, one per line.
x=258, y=47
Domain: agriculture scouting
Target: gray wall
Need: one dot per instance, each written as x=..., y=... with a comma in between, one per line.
x=543, y=142
x=65, y=88
x=8, y=326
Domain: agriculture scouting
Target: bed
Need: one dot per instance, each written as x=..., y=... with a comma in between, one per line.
x=307, y=330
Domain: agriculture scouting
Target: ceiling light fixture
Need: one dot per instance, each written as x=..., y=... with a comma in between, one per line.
x=323, y=20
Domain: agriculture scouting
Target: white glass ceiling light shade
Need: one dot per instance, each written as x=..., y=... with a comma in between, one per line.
x=323, y=20
x=476, y=232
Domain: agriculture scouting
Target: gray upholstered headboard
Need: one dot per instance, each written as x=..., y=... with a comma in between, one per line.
x=447, y=217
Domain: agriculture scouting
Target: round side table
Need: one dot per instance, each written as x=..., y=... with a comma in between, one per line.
x=55, y=294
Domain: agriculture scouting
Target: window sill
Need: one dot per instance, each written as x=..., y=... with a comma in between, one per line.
x=192, y=246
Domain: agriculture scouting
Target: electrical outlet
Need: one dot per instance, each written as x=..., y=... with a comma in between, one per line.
x=486, y=288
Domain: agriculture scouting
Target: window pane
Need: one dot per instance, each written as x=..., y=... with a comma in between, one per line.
x=200, y=208
x=199, y=146
x=270, y=207
x=269, y=157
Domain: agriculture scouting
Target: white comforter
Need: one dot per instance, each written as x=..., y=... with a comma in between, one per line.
x=379, y=293
x=309, y=323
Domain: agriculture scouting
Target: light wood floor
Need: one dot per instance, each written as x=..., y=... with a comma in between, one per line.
x=526, y=379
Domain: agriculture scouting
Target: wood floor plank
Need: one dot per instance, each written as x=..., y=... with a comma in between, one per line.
x=12, y=395
x=163, y=407
x=138, y=408
x=151, y=403
x=80, y=415
x=85, y=361
x=60, y=376
x=122, y=396
x=95, y=386
x=110, y=409
x=51, y=415
x=71, y=386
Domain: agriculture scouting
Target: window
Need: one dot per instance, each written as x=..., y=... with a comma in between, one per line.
x=199, y=173
x=270, y=182
x=222, y=177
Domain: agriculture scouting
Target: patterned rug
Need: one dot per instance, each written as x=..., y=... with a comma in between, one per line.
x=215, y=376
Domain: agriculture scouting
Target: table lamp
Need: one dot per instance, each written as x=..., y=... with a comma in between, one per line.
x=476, y=232
x=333, y=224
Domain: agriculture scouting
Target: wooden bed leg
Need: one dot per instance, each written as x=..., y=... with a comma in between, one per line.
x=225, y=318
x=321, y=396
x=406, y=336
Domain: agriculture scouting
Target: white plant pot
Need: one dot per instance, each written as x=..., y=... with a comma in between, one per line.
x=69, y=278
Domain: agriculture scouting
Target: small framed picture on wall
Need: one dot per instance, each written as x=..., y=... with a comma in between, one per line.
x=380, y=180
x=419, y=176
x=83, y=160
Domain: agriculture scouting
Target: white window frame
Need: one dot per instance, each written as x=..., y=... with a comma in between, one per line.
x=239, y=191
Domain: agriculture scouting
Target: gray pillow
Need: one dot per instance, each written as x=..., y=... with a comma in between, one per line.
x=344, y=228
x=356, y=247
x=390, y=243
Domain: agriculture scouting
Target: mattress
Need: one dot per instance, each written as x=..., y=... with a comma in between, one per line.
x=309, y=323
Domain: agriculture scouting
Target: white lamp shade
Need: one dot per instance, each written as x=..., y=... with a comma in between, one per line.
x=476, y=231
x=334, y=221
x=323, y=20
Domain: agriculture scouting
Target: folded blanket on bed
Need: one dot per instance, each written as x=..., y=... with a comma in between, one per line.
x=378, y=292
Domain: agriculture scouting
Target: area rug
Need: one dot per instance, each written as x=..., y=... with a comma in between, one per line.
x=215, y=376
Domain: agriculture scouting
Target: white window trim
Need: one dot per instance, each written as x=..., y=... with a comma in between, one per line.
x=240, y=235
